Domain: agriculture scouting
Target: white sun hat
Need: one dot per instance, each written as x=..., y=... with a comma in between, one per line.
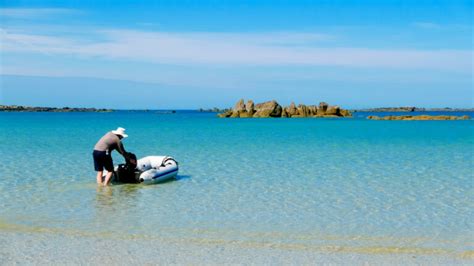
x=120, y=131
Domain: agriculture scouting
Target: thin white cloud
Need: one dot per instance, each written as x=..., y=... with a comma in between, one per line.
x=34, y=12
x=427, y=25
x=231, y=49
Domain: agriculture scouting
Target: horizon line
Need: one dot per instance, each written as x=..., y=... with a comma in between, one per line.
x=207, y=109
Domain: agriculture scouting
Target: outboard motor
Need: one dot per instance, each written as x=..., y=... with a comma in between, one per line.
x=127, y=173
x=131, y=160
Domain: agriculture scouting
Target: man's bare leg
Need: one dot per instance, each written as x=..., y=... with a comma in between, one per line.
x=99, y=177
x=107, y=178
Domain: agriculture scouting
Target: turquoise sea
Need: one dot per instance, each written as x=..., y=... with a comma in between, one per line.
x=335, y=185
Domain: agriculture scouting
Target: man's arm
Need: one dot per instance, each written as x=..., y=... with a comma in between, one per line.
x=121, y=149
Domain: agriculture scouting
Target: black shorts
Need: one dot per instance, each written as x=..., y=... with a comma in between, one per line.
x=102, y=160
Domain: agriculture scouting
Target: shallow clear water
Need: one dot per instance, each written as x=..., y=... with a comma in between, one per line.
x=311, y=182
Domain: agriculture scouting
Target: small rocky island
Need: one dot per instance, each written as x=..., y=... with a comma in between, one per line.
x=19, y=108
x=419, y=117
x=212, y=110
x=273, y=109
x=414, y=109
x=390, y=109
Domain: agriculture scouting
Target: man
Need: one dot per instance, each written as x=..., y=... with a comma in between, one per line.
x=103, y=153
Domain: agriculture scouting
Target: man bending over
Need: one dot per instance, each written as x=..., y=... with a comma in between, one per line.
x=103, y=153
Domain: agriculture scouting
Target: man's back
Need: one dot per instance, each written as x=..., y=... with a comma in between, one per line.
x=108, y=142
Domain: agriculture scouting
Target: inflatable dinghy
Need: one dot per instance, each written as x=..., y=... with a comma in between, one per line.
x=147, y=170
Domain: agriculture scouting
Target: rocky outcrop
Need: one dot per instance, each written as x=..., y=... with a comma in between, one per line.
x=345, y=113
x=303, y=110
x=268, y=109
x=227, y=113
x=235, y=114
x=322, y=108
x=250, y=108
x=245, y=114
x=273, y=109
x=240, y=106
x=313, y=110
x=419, y=117
x=291, y=110
x=239, y=109
x=333, y=110
x=19, y=108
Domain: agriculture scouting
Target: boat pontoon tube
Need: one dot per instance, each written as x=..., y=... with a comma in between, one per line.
x=156, y=169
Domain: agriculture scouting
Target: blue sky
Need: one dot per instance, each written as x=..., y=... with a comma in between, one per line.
x=191, y=54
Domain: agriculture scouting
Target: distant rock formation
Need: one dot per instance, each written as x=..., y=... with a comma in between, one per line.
x=268, y=109
x=19, y=108
x=273, y=109
x=212, y=110
x=291, y=110
x=250, y=108
x=322, y=108
x=414, y=109
x=390, y=109
x=419, y=117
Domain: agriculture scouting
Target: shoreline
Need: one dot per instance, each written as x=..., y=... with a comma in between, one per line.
x=44, y=247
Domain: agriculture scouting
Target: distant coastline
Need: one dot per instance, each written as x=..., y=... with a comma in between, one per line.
x=413, y=109
x=419, y=117
x=213, y=110
x=20, y=108
x=23, y=108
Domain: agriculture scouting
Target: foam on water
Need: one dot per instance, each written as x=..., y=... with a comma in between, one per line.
x=384, y=186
